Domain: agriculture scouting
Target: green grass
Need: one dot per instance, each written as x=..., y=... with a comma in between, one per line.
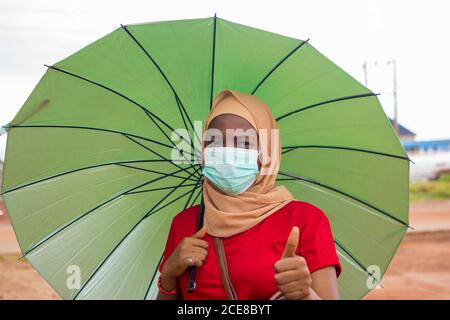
x=445, y=178
x=430, y=190
x=10, y=257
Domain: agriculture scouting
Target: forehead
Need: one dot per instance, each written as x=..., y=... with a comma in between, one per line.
x=229, y=121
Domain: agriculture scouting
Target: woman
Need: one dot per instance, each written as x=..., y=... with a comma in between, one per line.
x=272, y=242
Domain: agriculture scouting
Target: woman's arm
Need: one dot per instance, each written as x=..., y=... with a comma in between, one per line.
x=193, y=249
x=168, y=284
x=324, y=285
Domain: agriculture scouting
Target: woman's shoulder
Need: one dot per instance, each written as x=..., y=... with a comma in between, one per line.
x=304, y=210
x=186, y=217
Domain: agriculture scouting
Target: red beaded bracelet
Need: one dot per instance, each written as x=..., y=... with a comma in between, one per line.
x=173, y=292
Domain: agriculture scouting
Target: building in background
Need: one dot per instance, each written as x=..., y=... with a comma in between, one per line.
x=427, y=146
x=431, y=158
x=403, y=133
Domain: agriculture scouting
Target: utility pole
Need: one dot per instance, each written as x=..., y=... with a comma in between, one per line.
x=394, y=72
x=394, y=93
x=364, y=66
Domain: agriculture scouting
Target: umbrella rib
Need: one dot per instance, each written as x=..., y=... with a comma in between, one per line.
x=127, y=135
x=213, y=62
x=177, y=98
x=54, y=233
x=301, y=109
x=192, y=192
x=153, y=276
x=165, y=134
x=147, y=112
x=171, y=162
x=181, y=113
x=79, y=169
x=153, y=171
x=89, y=128
x=164, y=188
x=149, y=214
x=295, y=177
x=359, y=263
x=186, y=205
x=291, y=148
x=167, y=204
x=195, y=133
x=279, y=64
x=196, y=197
x=126, y=235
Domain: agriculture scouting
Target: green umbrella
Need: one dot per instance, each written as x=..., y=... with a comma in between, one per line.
x=88, y=178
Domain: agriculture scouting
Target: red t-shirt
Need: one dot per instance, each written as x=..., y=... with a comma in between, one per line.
x=252, y=253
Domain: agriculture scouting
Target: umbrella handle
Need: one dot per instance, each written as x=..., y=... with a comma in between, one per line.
x=191, y=281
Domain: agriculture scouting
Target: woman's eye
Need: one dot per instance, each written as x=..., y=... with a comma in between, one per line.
x=243, y=144
x=215, y=143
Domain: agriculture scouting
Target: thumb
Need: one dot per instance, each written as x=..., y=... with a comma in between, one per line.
x=291, y=243
x=200, y=233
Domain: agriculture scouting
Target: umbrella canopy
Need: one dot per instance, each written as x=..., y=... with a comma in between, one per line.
x=90, y=184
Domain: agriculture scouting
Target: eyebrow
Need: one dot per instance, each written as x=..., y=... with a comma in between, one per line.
x=242, y=135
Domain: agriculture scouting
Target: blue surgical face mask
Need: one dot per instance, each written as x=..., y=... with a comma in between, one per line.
x=232, y=170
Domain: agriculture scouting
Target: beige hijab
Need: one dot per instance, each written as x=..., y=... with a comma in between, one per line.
x=227, y=215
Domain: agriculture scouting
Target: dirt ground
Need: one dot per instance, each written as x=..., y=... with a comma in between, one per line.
x=18, y=280
x=419, y=270
x=421, y=267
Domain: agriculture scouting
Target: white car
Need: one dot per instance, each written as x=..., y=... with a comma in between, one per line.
x=429, y=166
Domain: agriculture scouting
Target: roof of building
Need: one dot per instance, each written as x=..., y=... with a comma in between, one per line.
x=403, y=130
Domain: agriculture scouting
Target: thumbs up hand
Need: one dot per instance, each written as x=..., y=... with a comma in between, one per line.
x=291, y=272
